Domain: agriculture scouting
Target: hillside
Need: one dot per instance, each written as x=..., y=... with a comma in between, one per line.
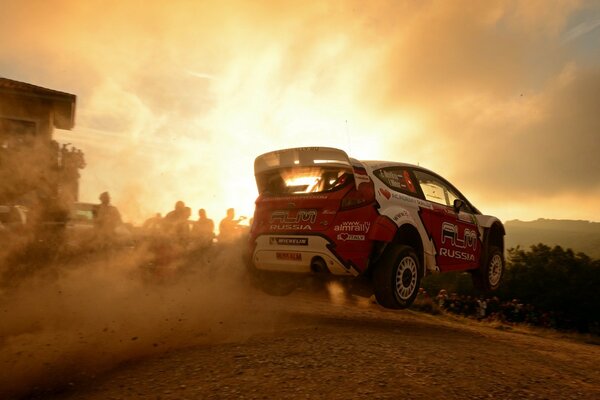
x=581, y=236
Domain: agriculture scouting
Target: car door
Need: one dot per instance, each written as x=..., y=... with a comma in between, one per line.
x=455, y=234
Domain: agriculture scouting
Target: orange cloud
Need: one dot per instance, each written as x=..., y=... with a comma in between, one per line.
x=175, y=101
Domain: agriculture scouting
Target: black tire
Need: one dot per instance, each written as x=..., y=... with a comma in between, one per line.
x=489, y=276
x=397, y=277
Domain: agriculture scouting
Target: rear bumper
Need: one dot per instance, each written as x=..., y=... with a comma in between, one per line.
x=296, y=253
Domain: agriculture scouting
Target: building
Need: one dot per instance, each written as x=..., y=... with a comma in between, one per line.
x=35, y=170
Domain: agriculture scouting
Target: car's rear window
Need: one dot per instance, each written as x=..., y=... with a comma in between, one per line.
x=82, y=215
x=300, y=180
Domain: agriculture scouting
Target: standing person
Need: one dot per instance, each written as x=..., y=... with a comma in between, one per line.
x=203, y=229
x=152, y=224
x=176, y=222
x=229, y=226
x=481, y=308
x=176, y=214
x=107, y=219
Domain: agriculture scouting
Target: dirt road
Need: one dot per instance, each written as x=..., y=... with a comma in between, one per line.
x=101, y=330
x=318, y=348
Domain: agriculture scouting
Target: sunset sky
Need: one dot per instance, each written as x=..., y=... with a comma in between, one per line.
x=176, y=99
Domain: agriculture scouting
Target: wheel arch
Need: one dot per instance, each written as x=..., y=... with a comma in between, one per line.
x=493, y=236
x=408, y=234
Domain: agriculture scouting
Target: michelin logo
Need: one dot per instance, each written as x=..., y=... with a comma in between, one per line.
x=284, y=241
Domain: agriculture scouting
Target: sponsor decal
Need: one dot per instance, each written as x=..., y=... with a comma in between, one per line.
x=299, y=197
x=360, y=175
x=288, y=256
x=285, y=241
x=301, y=149
x=408, y=181
x=349, y=236
x=353, y=226
x=386, y=193
x=410, y=199
x=290, y=227
x=294, y=216
x=400, y=215
x=359, y=170
x=329, y=212
x=459, y=255
x=424, y=204
x=450, y=232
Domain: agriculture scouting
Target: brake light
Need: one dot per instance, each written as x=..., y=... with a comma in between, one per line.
x=362, y=196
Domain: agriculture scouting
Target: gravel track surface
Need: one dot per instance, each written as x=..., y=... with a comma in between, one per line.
x=317, y=348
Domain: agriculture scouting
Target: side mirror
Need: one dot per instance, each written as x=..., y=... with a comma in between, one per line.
x=458, y=205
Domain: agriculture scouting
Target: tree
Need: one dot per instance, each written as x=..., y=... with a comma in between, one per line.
x=555, y=280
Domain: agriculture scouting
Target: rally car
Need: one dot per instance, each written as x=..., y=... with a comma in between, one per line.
x=322, y=213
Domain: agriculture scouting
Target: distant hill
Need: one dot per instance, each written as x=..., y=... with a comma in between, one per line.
x=581, y=236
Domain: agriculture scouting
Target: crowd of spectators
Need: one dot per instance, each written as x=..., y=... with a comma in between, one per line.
x=485, y=309
x=179, y=228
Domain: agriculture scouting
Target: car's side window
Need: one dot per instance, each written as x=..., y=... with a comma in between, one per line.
x=397, y=179
x=436, y=190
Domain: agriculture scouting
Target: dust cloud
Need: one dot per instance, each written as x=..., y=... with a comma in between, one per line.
x=67, y=323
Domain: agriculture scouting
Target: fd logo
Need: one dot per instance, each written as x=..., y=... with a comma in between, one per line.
x=285, y=220
x=294, y=217
x=450, y=232
x=468, y=242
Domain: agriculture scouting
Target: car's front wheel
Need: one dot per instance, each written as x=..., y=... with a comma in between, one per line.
x=397, y=277
x=487, y=278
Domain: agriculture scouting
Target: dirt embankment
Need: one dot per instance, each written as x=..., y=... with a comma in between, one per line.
x=101, y=334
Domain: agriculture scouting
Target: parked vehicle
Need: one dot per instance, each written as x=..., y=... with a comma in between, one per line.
x=386, y=224
x=80, y=227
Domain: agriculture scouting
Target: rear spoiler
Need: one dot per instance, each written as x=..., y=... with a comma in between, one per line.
x=308, y=157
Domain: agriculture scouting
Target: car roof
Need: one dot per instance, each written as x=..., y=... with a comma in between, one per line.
x=377, y=164
x=84, y=206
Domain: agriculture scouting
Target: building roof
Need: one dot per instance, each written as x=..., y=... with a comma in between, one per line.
x=63, y=103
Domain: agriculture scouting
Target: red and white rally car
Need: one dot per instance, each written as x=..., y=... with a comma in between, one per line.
x=387, y=223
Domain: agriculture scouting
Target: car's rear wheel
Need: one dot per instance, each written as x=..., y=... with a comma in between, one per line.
x=488, y=277
x=397, y=277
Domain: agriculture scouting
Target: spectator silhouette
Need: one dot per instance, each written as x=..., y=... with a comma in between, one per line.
x=108, y=219
x=203, y=229
x=176, y=222
x=152, y=224
x=228, y=228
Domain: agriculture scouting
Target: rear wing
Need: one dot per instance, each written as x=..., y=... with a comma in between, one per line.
x=310, y=157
